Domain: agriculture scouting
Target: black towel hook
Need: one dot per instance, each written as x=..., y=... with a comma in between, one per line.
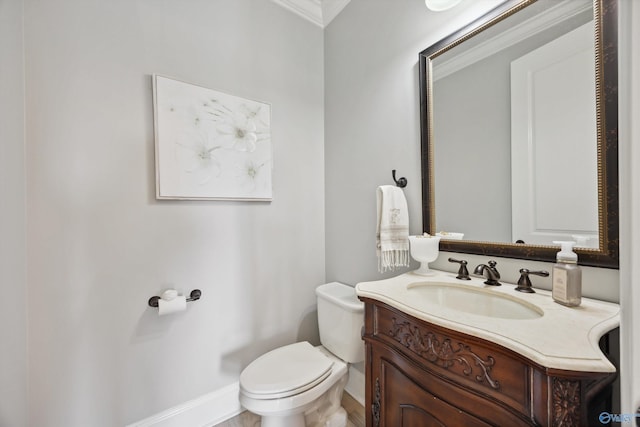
x=402, y=182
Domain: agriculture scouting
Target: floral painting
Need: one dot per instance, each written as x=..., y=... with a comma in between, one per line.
x=210, y=145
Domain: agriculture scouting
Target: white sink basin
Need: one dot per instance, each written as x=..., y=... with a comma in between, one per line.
x=481, y=302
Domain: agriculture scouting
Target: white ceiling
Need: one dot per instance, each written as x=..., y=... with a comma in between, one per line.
x=320, y=12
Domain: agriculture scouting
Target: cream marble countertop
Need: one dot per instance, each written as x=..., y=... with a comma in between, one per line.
x=562, y=338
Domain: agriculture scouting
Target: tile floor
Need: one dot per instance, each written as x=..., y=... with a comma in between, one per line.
x=354, y=409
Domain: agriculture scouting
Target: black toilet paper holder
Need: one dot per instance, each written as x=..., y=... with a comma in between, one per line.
x=193, y=296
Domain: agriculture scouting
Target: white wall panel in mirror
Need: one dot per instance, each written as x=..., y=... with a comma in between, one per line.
x=554, y=184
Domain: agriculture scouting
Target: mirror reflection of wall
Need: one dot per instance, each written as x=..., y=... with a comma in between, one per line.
x=474, y=175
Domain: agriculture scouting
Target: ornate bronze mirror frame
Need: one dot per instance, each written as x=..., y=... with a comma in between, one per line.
x=606, y=78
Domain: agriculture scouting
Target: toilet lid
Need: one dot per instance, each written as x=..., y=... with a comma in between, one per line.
x=285, y=371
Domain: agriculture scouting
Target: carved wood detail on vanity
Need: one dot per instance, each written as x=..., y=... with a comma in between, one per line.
x=566, y=402
x=419, y=373
x=438, y=349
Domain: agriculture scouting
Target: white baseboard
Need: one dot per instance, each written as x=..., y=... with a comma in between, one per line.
x=220, y=405
x=204, y=411
x=355, y=386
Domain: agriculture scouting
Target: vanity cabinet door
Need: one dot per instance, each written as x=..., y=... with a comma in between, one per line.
x=404, y=395
x=406, y=404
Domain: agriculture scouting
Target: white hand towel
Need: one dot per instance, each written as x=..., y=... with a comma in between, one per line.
x=392, y=232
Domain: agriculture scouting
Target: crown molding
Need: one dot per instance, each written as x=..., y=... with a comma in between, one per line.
x=311, y=10
x=331, y=9
x=319, y=12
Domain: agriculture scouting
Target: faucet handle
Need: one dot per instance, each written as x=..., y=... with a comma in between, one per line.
x=524, y=283
x=493, y=264
x=463, y=273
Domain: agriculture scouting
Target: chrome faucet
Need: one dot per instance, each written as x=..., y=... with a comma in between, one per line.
x=490, y=272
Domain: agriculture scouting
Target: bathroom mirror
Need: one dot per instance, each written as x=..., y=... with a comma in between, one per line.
x=519, y=120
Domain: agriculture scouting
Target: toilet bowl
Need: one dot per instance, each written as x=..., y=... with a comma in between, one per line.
x=301, y=385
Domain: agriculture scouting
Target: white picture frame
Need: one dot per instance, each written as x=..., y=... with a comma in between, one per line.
x=210, y=145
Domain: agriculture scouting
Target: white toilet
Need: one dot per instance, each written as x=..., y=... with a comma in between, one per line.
x=300, y=385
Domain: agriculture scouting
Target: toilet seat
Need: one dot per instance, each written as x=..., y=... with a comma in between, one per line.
x=285, y=371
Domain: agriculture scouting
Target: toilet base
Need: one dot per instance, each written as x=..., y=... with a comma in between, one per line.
x=296, y=420
x=326, y=411
x=337, y=419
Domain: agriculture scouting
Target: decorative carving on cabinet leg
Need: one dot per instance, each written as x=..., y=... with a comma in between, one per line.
x=566, y=403
x=441, y=352
x=375, y=406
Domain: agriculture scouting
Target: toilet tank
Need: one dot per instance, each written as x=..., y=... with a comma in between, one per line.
x=340, y=320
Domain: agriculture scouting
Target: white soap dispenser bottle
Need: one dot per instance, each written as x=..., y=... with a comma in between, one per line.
x=567, y=276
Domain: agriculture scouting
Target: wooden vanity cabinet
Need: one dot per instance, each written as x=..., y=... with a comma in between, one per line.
x=419, y=375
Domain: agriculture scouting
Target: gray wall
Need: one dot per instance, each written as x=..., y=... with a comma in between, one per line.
x=13, y=305
x=99, y=244
x=372, y=119
x=372, y=126
x=473, y=171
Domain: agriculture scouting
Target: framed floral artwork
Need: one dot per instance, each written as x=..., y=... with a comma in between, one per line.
x=210, y=145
